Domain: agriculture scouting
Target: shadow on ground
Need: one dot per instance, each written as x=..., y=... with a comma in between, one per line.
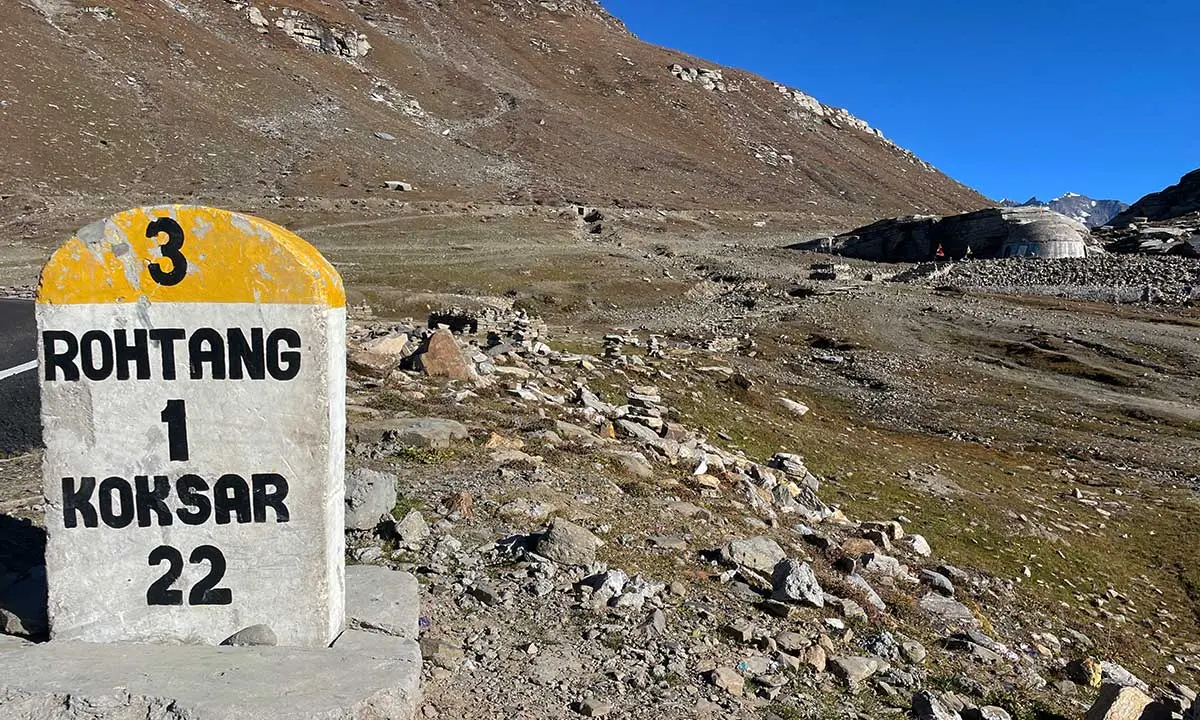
x=22, y=578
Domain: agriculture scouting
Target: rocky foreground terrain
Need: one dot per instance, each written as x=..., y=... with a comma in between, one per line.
x=670, y=468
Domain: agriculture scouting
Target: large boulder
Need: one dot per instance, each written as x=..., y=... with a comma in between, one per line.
x=794, y=581
x=1117, y=702
x=569, y=544
x=758, y=553
x=442, y=357
x=989, y=233
x=435, y=433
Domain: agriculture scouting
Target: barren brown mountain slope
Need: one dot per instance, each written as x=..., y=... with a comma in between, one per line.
x=507, y=100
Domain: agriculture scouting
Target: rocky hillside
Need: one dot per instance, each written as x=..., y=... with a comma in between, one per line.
x=468, y=100
x=1092, y=213
x=1176, y=201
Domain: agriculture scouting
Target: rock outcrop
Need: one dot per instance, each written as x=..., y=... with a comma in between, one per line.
x=989, y=233
x=1177, y=236
x=706, y=78
x=310, y=32
x=1175, y=201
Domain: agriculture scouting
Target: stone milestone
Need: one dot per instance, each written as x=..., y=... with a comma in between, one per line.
x=192, y=369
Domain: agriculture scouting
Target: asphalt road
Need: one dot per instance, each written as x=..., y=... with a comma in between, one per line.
x=18, y=333
x=20, y=403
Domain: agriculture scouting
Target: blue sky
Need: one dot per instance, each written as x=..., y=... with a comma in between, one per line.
x=1013, y=98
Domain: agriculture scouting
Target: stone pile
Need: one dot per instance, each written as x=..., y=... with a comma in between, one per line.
x=477, y=346
x=1178, y=236
x=615, y=344
x=1106, y=278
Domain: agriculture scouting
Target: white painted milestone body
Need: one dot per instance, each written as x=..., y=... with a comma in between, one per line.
x=192, y=367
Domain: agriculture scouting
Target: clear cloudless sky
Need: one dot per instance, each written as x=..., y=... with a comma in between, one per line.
x=1019, y=98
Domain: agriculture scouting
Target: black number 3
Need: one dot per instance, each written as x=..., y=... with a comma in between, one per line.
x=170, y=251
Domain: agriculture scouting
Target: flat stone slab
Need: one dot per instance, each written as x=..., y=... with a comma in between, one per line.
x=382, y=600
x=364, y=676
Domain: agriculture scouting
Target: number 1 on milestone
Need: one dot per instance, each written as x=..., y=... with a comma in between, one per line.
x=175, y=416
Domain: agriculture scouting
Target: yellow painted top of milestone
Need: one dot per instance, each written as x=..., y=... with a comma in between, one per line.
x=187, y=253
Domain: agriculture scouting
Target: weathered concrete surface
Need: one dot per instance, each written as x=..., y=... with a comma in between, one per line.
x=382, y=600
x=194, y=480
x=364, y=676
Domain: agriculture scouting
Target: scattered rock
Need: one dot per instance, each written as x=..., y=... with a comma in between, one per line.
x=412, y=529
x=854, y=669
x=525, y=509
x=795, y=408
x=1117, y=702
x=728, y=680
x=758, y=553
x=794, y=581
x=1111, y=672
x=913, y=651
x=371, y=364
x=631, y=462
x=370, y=496
x=927, y=706
x=441, y=652
x=938, y=582
x=433, y=433
x=442, y=357
x=948, y=610
x=919, y=545
x=252, y=636
x=987, y=712
x=868, y=592
x=569, y=544
x=594, y=708
x=814, y=656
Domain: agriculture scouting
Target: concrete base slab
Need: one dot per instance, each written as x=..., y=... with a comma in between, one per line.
x=382, y=600
x=364, y=676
